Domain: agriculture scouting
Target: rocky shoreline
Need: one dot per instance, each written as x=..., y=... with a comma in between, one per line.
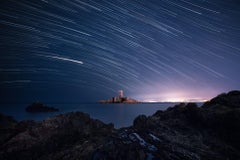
x=184, y=131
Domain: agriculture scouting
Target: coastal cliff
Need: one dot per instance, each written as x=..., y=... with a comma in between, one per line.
x=184, y=131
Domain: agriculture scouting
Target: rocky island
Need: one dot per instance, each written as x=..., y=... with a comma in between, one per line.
x=39, y=107
x=184, y=131
x=119, y=99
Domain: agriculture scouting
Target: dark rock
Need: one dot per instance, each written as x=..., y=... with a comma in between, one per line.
x=39, y=107
x=7, y=126
x=231, y=99
x=7, y=121
x=61, y=137
x=140, y=121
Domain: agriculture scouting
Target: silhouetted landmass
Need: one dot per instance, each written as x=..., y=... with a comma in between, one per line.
x=39, y=107
x=184, y=131
x=230, y=99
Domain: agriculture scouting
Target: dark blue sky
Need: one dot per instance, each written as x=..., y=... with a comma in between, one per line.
x=86, y=50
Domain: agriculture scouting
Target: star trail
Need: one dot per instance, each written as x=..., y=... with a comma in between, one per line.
x=86, y=50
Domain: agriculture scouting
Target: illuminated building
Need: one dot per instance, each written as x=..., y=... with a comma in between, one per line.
x=119, y=99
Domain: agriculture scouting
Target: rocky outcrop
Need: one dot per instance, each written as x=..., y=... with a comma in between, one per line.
x=39, y=107
x=231, y=99
x=61, y=137
x=7, y=127
x=184, y=131
x=7, y=121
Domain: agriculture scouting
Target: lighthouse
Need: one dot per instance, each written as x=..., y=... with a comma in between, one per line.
x=120, y=94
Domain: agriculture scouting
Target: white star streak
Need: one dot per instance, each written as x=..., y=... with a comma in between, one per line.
x=64, y=59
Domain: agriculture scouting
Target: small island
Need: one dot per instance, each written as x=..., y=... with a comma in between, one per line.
x=39, y=107
x=119, y=99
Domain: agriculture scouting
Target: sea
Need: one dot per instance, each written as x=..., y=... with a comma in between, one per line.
x=121, y=115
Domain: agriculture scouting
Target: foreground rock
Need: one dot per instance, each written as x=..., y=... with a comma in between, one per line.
x=69, y=136
x=39, y=107
x=184, y=131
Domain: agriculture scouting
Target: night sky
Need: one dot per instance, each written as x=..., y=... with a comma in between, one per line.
x=86, y=50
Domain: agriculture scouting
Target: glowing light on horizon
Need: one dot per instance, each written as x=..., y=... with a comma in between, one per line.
x=176, y=96
x=176, y=100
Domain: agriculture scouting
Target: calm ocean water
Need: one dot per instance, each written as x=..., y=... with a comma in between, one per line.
x=121, y=115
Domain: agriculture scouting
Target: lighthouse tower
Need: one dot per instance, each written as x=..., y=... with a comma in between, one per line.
x=120, y=94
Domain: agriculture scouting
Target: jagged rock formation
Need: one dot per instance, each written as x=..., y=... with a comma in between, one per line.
x=184, y=131
x=39, y=107
x=231, y=99
x=61, y=137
